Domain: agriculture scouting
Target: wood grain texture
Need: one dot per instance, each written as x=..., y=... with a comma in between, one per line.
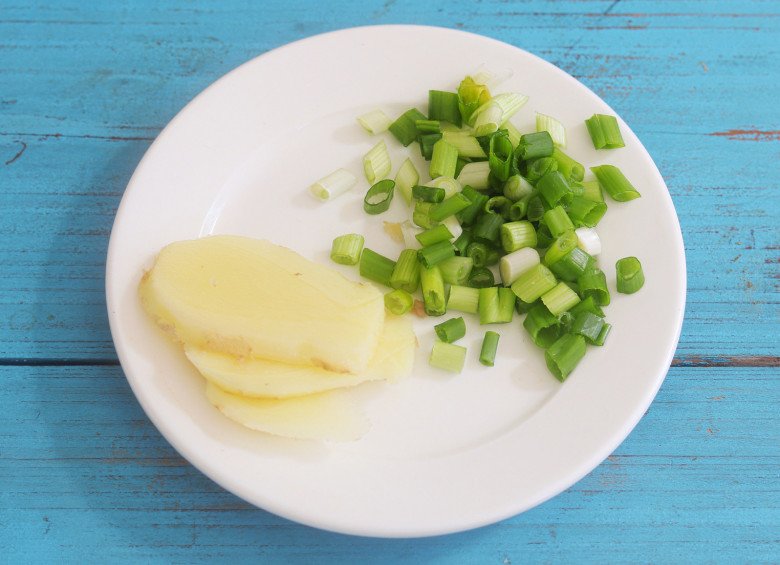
x=695, y=482
x=86, y=87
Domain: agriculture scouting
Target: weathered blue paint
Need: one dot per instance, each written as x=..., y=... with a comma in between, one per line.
x=86, y=86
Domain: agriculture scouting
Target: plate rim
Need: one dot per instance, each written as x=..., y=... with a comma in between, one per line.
x=192, y=456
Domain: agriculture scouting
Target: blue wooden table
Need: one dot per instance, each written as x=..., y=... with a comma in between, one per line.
x=86, y=86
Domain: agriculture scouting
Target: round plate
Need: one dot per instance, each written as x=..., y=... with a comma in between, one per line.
x=445, y=452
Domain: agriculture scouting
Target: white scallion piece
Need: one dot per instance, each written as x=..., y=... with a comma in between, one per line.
x=452, y=224
x=516, y=263
x=375, y=121
x=376, y=163
x=333, y=185
x=510, y=103
x=449, y=184
x=489, y=117
x=475, y=175
x=405, y=179
x=466, y=144
x=588, y=240
x=553, y=127
x=491, y=77
x=410, y=231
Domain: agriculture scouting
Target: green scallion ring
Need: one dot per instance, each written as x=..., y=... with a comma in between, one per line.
x=379, y=197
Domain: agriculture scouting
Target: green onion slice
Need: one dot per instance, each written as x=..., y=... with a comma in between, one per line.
x=487, y=354
x=376, y=267
x=630, y=276
x=451, y=330
x=375, y=121
x=553, y=127
x=379, y=197
x=333, y=185
x=406, y=178
x=346, y=249
x=481, y=277
x=406, y=273
x=615, y=183
x=447, y=356
x=398, y=301
x=564, y=355
x=463, y=299
x=404, y=128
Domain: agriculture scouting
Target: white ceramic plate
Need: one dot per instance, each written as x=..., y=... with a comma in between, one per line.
x=445, y=452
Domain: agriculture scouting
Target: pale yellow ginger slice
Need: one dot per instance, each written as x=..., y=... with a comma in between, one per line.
x=392, y=360
x=325, y=416
x=250, y=298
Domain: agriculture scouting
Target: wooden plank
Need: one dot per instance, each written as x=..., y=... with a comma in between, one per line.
x=87, y=477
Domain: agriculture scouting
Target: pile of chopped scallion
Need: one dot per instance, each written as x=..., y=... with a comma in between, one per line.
x=497, y=197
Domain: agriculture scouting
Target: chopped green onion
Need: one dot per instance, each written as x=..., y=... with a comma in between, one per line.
x=560, y=247
x=431, y=255
x=557, y=221
x=544, y=238
x=560, y=299
x=591, y=190
x=471, y=96
x=376, y=163
x=604, y=131
x=406, y=274
x=630, y=276
x=539, y=167
x=533, y=283
x=572, y=265
x=450, y=185
x=553, y=127
x=404, y=128
x=481, y=277
x=587, y=325
x=535, y=210
x=379, y=197
x=475, y=175
x=463, y=299
x=452, y=224
x=570, y=168
x=498, y=205
x=488, y=119
x=428, y=126
x=534, y=146
x=584, y=212
x=434, y=235
x=493, y=255
x=513, y=133
x=451, y=330
x=605, y=329
x=478, y=201
x=444, y=106
x=496, y=305
x=409, y=232
x=563, y=355
x=516, y=188
x=449, y=207
x=421, y=215
x=456, y=270
x=543, y=327
x=593, y=284
x=488, y=228
x=467, y=145
x=375, y=121
x=333, y=185
x=516, y=263
x=346, y=249
x=376, y=267
x=588, y=304
x=447, y=356
x=517, y=210
x=428, y=193
x=487, y=354
x=462, y=242
x=478, y=253
x=615, y=183
x=427, y=143
x=516, y=235
x=554, y=189
x=398, y=301
x=500, y=156
x=444, y=160
x=407, y=177
x=588, y=240
x=432, y=285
